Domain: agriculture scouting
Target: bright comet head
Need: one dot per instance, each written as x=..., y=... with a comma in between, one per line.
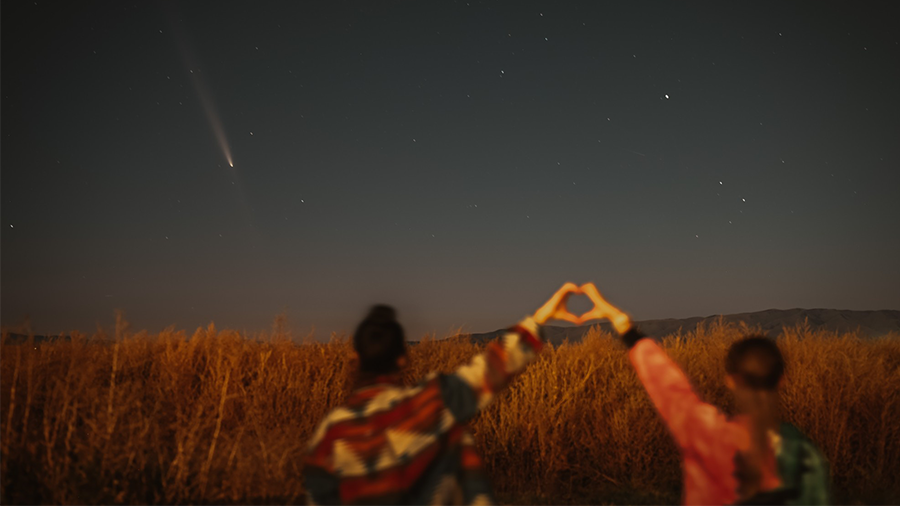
x=231, y=164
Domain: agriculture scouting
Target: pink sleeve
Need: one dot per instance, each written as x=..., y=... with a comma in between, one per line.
x=697, y=427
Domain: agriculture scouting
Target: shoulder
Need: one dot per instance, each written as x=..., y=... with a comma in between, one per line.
x=793, y=436
x=791, y=432
x=799, y=450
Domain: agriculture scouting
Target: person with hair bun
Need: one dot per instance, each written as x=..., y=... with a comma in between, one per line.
x=396, y=444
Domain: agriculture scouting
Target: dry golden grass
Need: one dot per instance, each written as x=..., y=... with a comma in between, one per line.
x=218, y=417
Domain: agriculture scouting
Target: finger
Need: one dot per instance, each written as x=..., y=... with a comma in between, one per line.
x=560, y=308
x=546, y=311
x=594, y=314
x=589, y=289
x=561, y=295
x=569, y=288
x=567, y=316
x=592, y=293
x=588, y=317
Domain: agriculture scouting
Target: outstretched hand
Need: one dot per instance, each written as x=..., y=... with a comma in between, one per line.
x=604, y=310
x=555, y=307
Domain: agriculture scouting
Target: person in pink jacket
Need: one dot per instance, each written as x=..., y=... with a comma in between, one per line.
x=752, y=458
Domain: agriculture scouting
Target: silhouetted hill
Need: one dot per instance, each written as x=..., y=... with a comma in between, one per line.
x=13, y=337
x=771, y=321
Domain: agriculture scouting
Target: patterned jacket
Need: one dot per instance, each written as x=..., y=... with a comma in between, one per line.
x=711, y=444
x=391, y=444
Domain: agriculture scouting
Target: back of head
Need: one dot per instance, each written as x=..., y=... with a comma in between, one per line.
x=379, y=341
x=755, y=362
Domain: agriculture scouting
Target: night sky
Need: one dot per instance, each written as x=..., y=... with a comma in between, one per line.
x=458, y=160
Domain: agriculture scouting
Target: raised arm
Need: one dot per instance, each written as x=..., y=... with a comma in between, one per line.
x=695, y=425
x=473, y=386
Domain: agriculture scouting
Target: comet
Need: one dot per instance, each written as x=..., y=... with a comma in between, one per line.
x=212, y=115
x=197, y=77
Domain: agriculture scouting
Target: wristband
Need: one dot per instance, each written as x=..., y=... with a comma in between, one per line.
x=631, y=337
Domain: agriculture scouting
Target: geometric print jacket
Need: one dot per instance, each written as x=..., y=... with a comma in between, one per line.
x=392, y=444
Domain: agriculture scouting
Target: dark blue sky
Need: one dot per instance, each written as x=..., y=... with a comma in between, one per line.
x=459, y=160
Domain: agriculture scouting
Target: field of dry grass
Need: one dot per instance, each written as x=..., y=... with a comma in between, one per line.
x=217, y=417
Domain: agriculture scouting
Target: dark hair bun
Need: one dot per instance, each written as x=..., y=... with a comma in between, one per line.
x=379, y=341
x=381, y=314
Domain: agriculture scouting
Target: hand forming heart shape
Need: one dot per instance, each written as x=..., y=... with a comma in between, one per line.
x=555, y=308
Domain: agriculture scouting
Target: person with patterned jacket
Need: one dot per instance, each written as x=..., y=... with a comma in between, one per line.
x=393, y=444
x=752, y=458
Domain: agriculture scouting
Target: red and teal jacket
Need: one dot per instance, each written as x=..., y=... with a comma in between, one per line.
x=391, y=444
x=711, y=444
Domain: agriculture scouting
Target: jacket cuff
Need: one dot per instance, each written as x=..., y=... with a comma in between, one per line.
x=531, y=332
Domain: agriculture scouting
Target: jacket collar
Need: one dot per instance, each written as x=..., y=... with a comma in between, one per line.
x=380, y=380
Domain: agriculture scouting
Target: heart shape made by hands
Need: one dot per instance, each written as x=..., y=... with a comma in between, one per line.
x=562, y=311
x=601, y=308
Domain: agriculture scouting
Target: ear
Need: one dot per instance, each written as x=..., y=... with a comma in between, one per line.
x=402, y=362
x=353, y=360
x=729, y=382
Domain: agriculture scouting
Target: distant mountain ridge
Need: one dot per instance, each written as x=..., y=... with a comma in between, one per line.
x=870, y=324
x=770, y=321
